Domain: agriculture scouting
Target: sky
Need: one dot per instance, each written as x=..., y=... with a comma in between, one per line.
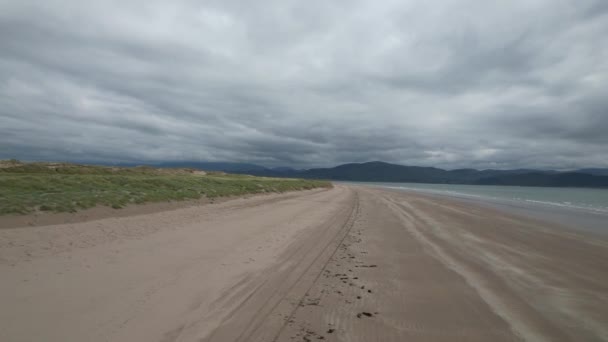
x=445, y=83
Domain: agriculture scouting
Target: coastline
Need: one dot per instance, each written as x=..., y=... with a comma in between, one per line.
x=566, y=217
x=350, y=263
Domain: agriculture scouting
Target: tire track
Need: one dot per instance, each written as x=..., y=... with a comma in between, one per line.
x=281, y=289
x=349, y=225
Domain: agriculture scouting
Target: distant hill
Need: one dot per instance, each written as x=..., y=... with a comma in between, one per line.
x=380, y=171
x=213, y=166
x=385, y=172
x=595, y=172
x=377, y=171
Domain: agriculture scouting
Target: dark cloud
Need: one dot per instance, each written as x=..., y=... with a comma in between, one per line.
x=444, y=83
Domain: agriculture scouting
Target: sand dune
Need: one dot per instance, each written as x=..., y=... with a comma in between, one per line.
x=346, y=264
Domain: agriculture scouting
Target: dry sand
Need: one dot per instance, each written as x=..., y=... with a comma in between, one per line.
x=346, y=264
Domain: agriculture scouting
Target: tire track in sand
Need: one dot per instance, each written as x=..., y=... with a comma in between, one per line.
x=265, y=311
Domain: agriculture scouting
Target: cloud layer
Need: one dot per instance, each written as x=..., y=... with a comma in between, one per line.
x=458, y=83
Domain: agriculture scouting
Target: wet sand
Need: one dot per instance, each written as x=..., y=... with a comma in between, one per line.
x=346, y=264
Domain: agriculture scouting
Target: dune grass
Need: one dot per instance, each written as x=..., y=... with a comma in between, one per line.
x=26, y=188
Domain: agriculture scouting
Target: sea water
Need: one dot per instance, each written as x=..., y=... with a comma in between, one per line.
x=595, y=200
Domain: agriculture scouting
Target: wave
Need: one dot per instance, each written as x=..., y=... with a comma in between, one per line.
x=567, y=204
x=454, y=193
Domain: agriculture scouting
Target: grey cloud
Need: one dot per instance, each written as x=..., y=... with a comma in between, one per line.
x=449, y=84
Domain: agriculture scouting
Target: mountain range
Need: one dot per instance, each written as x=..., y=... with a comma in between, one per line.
x=378, y=171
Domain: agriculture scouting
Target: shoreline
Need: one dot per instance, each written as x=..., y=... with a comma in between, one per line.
x=582, y=220
x=350, y=263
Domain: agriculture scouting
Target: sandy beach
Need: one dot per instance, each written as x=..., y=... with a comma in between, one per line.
x=345, y=264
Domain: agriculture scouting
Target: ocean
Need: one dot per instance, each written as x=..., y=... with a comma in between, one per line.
x=580, y=208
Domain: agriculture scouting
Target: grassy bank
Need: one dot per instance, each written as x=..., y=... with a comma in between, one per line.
x=29, y=187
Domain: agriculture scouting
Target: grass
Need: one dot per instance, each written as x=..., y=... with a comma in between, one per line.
x=30, y=187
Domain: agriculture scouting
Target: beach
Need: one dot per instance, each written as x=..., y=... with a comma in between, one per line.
x=351, y=263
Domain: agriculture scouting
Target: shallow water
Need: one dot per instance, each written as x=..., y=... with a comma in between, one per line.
x=579, y=208
x=595, y=200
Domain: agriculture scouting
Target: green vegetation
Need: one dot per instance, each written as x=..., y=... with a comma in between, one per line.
x=62, y=187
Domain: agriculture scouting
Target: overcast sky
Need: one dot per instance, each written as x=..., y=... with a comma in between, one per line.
x=461, y=83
